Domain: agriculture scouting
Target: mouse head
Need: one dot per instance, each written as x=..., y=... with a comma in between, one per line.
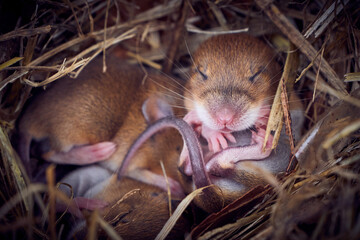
x=232, y=78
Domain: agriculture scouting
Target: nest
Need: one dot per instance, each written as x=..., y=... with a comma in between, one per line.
x=317, y=199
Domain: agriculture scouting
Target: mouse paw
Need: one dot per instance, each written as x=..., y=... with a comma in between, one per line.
x=192, y=119
x=79, y=203
x=81, y=155
x=264, y=117
x=184, y=162
x=259, y=138
x=217, y=140
x=158, y=180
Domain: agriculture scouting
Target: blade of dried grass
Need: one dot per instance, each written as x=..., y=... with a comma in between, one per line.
x=352, y=127
x=287, y=79
x=229, y=229
x=349, y=77
x=81, y=34
x=266, y=175
x=275, y=120
x=312, y=178
x=12, y=78
x=92, y=229
x=317, y=73
x=108, y=229
x=16, y=171
x=287, y=117
x=25, y=33
x=177, y=34
x=10, y=165
x=280, y=20
x=39, y=68
x=158, y=11
x=243, y=206
x=29, y=50
x=75, y=41
x=177, y=213
x=10, y=62
x=151, y=14
x=344, y=173
x=90, y=59
x=59, y=74
x=167, y=186
x=307, y=140
x=91, y=19
x=58, y=49
x=191, y=28
x=128, y=194
x=13, y=172
x=144, y=60
x=265, y=234
x=109, y=42
x=254, y=226
x=50, y=178
x=319, y=227
x=12, y=202
x=324, y=87
x=71, y=197
x=105, y=27
x=324, y=20
x=219, y=15
x=350, y=160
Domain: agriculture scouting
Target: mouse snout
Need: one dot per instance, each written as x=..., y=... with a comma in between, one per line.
x=225, y=116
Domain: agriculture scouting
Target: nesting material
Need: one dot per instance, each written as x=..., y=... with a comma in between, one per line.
x=317, y=198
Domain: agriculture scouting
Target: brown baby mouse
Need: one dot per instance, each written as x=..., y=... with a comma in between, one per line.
x=248, y=99
x=228, y=96
x=231, y=88
x=92, y=118
x=134, y=209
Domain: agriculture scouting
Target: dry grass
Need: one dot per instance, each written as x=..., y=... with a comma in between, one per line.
x=319, y=199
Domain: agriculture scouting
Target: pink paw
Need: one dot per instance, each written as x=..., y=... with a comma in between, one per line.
x=263, y=120
x=81, y=155
x=79, y=203
x=216, y=139
x=259, y=137
x=89, y=203
x=184, y=161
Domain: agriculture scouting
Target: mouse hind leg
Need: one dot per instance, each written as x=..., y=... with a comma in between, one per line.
x=82, y=155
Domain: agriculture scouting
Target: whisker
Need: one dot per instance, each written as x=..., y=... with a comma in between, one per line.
x=178, y=95
x=181, y=85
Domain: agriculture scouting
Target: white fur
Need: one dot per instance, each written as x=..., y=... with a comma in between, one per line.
x=243, y=122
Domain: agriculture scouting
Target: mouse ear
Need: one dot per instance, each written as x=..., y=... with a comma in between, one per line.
x=155, y=108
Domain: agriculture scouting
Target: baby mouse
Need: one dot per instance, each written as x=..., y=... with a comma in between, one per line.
x=246, y=89
x=136, y=210
x=93, y=118
x=231, y=88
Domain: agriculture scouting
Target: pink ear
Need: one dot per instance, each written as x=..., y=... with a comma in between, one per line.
x=155, y=108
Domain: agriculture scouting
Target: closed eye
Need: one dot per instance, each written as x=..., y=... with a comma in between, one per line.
x=203, y=75
x=252, y=78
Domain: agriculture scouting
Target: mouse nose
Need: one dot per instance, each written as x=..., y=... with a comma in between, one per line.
x=225, y=116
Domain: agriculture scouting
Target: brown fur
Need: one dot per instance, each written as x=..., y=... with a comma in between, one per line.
x=245, y=56
x=239, y=71
x=137, y=211
x=98, y=107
